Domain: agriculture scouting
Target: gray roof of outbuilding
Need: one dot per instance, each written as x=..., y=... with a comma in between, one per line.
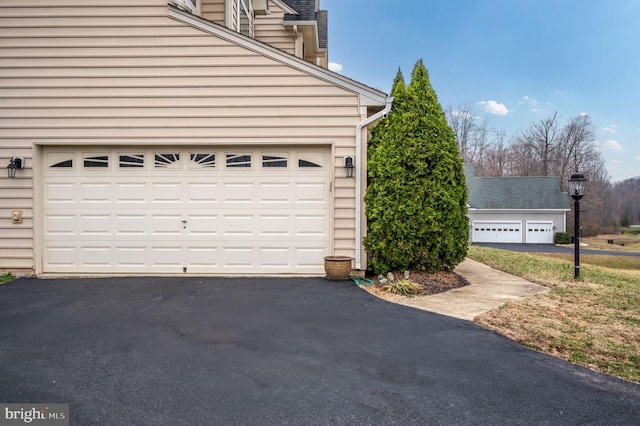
x=514, y=193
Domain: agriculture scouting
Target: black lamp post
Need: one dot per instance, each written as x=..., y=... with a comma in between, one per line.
x=577, y=186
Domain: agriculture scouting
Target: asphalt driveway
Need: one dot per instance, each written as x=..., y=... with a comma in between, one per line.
x=274, y=352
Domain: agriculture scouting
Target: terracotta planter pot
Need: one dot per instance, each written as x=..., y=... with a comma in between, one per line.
x=337, y=267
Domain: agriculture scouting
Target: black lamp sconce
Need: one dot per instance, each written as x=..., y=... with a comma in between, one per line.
x=14, y=164
x=349, y=166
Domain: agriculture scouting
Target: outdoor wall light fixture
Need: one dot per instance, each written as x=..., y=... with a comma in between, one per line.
x=349, y=166
x=577, y=187
x=14, y=164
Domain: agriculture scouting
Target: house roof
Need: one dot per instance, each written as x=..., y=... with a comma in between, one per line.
x=514, y=193
x=306, y=10
x=307, y=13
x=323, y=28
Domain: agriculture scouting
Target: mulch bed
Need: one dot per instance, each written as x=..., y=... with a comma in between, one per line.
x=438, y=282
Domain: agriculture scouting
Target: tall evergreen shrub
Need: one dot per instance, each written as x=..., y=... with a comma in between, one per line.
x=416, y=199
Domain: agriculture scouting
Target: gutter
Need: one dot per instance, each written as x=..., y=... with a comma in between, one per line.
x=359, y=201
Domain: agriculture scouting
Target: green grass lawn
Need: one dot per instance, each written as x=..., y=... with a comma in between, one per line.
x=593, y=321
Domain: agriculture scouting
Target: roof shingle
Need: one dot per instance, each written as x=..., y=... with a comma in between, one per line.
x=514, y=193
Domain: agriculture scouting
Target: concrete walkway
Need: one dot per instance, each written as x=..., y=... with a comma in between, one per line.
x=489, y=290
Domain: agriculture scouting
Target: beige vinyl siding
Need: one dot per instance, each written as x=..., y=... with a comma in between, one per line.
x=213, y=10
x=269, y=29
x=123, y=72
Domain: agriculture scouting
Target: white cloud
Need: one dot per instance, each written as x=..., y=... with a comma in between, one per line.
x=638, y=158
x=613, y=145
x=584, y=114
x=611, y=128
x=528, y=101
x=335, y=67
x=495, y=108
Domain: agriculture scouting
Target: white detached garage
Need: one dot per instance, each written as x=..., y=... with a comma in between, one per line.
x=515, y=209
x=157, y=141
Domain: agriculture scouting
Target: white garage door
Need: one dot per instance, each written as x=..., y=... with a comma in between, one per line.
x=539, y=232
x=200, y=210
x=497, y=232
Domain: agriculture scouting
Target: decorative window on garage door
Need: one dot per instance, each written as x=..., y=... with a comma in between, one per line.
x=275, y=161
x=95, y=160
x=131, y=161
x=238, y=160
x=311, y=159
x=202, y=160
x=60, y=160
x=166, y=160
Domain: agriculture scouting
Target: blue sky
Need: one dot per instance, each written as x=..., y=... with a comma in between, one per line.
x=514, y=61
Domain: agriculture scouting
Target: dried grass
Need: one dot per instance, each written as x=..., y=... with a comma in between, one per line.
x=593, y=322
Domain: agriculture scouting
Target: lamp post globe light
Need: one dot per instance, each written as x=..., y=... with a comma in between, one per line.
x=577, y=186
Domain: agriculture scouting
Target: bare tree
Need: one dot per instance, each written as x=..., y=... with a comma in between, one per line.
x=471, y=134
x=496, y=158
x=576, y=146
x=542, y=139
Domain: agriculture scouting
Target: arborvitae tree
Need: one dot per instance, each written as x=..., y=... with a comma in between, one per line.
x=416, y=199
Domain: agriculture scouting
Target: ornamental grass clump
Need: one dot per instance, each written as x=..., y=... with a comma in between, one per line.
x=403, y=288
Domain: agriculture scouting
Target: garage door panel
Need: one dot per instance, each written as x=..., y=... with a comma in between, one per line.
x=60, y=224
x=306, y=225
x=238, y=193
x=183, y=218
x=202, y=193
x=166, y=256
x=540, y=232
x=311, y=193
x=130, y=193
x=92, y=225
x=127, y=224
x=60, y=257
x=166, y=193
x=164, y=225
x=497, y=232
x=275, y=193
x=274, y=257
x=59, y=193
x=307, y=257
x=95, y=193
x=274, y=225
x=202, y=225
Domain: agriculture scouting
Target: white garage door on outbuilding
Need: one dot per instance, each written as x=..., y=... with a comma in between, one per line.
x=225, y=210
x=539, y=232
x=497, y=232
